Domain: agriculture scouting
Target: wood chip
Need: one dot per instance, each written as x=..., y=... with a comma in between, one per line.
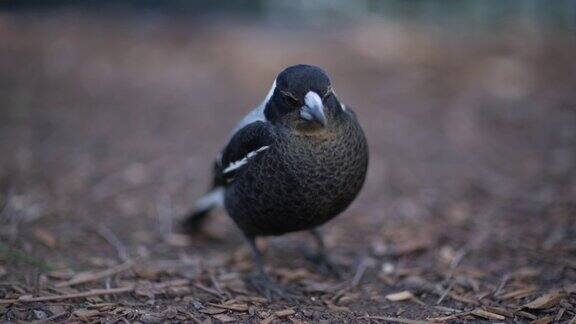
x=560, y=314
x=232, y=307
x=545, y=301
x=395, y=319
x=224, y=318
x=400, y=296
x=526, y=314
x=268, y=319
x=44, y=237
x=448, y=318
x=487, y=315
x=520, y=293
x=499, y=310
x=543, y=320
x=463, y=299
x=285, y=312
x=409, y=248
x=213, y=310
x=86, y=313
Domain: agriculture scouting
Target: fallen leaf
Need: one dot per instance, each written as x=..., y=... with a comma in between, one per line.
x=487, y=315
x=545, y=301
x=400, y=296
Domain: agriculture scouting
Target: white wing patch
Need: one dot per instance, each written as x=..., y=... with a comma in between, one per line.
x=237, y=164
x=211, y=199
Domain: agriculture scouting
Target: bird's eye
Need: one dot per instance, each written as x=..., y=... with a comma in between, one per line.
x=291, y=100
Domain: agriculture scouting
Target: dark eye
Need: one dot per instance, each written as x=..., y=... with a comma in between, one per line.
x=291, y=100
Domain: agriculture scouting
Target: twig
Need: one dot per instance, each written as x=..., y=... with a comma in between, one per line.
x=87, y=277
x=217, y=286
x=113, y=240
x=445, y=293
x=394, y=319
x=360, y=270
x=92, y=293
x=208, y=290
x=449, y=317
x=502, y=284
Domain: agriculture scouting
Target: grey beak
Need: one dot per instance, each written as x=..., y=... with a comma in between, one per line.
x=313, y=109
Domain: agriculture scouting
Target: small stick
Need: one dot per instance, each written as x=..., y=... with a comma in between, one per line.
x=96, y=276
x=445, y=293
x=502, y=284
x=395, y=320
x=92, y=293
x=362, y=267
x=113, y=240
x=208, y=290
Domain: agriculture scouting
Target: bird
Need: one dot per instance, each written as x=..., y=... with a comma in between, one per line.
x=293, y=163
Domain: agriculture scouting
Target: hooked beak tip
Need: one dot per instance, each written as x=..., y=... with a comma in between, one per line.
x=313, y=109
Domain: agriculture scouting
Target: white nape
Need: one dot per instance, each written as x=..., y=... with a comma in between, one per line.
x=237, y=164
x=257, y=114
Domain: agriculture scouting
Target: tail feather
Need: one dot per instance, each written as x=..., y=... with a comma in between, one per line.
x=214, y=198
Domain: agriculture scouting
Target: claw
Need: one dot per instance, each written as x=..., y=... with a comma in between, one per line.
x=270, y=289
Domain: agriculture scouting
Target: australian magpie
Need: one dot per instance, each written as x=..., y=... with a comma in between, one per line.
x=293, y=163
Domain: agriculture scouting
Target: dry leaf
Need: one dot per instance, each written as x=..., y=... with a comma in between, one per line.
x=400, y=296
x=545, y=301
x=487, y=315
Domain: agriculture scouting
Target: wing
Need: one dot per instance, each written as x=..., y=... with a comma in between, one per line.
x=248, y=142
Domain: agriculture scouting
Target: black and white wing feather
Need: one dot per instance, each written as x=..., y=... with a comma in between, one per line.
x=250, y=138
x=246, y=144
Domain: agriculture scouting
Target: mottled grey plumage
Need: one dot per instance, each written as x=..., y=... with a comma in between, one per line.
x=298, y=163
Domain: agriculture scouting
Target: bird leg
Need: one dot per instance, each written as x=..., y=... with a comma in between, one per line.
x=261, y=282
x=321, y=258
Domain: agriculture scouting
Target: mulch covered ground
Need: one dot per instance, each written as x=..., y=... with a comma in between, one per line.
x=108, y=127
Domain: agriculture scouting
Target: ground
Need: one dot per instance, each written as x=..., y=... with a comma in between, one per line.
x=108, y=128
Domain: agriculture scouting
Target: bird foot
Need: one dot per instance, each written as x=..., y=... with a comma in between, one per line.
x=270, y=289
x=325, y=265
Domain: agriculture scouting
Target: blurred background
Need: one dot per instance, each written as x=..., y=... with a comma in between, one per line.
x=111, y=113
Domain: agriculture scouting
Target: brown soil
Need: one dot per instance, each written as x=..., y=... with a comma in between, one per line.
x=108, y=128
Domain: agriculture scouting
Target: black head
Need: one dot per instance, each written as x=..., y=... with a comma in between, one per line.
x=302, y=98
